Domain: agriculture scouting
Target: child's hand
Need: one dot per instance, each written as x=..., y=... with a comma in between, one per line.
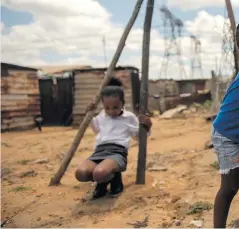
x=90, y=106
x=143, y=119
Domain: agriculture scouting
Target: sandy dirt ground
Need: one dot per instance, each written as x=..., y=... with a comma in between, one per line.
x=165, y=199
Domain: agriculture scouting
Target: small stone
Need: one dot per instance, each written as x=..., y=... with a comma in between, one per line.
x=28, y=173
x=150, y=164
x=158, y=169
x=85, y=149
x=41, y=161
x=197, y=223
x=61, y=155
x=39, y=218
x=175, y=199
x=5, y=172
x=173, y=113
x=234, y=223
x=76, y=198
x=60, y=193
x=164, y=225
x=53, y=215
x=193, y=109
x=76, y=187
x=49, y=167
x=177, y=223
x=208, y=145
x=154, y=183
x=39, y=195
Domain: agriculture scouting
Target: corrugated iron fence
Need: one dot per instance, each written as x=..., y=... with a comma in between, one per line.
x=20, y=99
x=87, y=84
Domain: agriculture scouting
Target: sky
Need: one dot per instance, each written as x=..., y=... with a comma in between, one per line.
x=57, y=32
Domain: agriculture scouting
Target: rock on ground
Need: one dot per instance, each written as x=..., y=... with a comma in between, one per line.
x=172, y=113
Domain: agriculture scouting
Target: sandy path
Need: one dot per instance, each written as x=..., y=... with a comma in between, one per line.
x=176, y=144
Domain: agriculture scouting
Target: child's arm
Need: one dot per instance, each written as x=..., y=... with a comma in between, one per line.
x=95, y=121
x=95, y=125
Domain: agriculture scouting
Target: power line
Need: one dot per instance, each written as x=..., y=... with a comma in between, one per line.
x=172, y=30
x=104, y=50
x=196, y=63
x=226, y=63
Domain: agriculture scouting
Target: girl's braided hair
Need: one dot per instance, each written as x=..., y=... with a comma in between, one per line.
x=114, y=88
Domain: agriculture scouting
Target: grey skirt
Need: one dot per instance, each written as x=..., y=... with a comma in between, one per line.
x=115, y=152
x=227, y=152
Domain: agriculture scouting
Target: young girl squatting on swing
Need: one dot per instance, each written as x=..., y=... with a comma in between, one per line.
x=114, y=126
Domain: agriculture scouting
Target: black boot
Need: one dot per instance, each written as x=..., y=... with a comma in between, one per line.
x=100, y=190
x=116, y=184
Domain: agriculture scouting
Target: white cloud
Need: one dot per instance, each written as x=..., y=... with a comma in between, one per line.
x=209, y=29
x=191, y=4
x=56, y=8
x=206, y=25
x=74, y=30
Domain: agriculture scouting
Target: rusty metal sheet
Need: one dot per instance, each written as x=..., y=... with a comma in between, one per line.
x=20, y=100
x=87, y=85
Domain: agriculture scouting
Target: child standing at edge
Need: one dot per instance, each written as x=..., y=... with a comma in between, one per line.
x=225, y=138
x=114, y=127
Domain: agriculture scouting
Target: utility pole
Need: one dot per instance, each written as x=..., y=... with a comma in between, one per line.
x=172, y=47
x=233, y=27
x=140, y=179
x=104, y=50
x=196, y=62
x=216, y=65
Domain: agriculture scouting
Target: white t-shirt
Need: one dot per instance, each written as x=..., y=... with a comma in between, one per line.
x=117, y=130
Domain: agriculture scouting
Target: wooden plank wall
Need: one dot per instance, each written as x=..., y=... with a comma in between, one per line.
x=20, y=100
x=86, y=86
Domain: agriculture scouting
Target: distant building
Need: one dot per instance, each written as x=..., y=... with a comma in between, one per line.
x=191, y=85
x=57, y=93
x=20, y=103
x=60, y=69
x=87, y=82
x=66, y=92
x=166, y=94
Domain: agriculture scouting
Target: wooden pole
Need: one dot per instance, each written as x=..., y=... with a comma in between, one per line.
x=104, y=50
x=140, y=179
x=233, y=27
x=85, y=123
x=214, y=92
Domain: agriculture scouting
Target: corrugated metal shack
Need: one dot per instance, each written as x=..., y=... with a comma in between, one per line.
x=60, y=69
x=87, y=82
x=20, y=97
x=191, y=85
x=56, y=100
x=57, y=94
x=166, y=94
x=162, y=94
